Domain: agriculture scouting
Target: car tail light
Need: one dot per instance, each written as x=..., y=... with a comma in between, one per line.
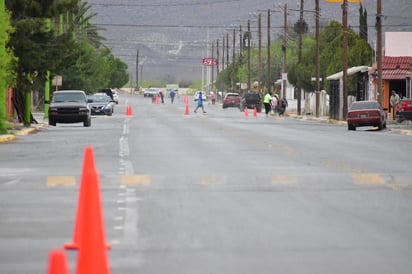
x=403, y=106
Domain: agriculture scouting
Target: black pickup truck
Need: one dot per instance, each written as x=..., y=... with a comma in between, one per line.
x=69, y=106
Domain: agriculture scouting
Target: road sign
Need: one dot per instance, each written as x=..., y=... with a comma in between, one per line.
x=209, y=61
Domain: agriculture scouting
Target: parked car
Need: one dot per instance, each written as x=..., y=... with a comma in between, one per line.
x=231, y=99
x=251, y=100
x=151, y=92
x=405, y=110
x=69, y=106
x=366, y=113
x=101, y=104
x=196, y=96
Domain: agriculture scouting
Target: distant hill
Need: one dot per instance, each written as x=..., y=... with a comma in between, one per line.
x=172, y=35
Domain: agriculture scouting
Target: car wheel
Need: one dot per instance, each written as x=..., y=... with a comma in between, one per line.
x=52, y=122
x=351, y=127
x=87, y=122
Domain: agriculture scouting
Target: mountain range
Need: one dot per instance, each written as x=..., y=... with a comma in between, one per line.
x=169, y=38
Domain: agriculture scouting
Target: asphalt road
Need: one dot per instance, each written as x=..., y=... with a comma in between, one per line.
x=213, y=193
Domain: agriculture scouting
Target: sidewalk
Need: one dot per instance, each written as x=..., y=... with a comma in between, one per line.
x=401, y=128
x=17, y=129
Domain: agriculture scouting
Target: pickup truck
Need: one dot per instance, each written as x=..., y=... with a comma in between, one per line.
x=405, y=110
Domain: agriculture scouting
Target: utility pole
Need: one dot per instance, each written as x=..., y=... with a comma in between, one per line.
x=137, y=71
x=227, y=49
x=233, y=57
x=317, y=18
x=268, y=80
x=248, y=55
x=285, y=41
x=300, y=38
x=259, y=52
x=223, y=52
x=213, y=67
x=379, y=49
x=345, y=57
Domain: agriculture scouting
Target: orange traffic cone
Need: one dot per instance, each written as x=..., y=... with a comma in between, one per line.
x=92, y=257
x=187, y=109
x=57, y=263
x=246, y=112
x=89, y=186
x=157, y=100
x=254, y=112
x=127, y=110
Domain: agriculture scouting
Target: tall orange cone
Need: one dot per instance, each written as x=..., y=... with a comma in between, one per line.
x=187, y=109
x=157, y=99
x=92, y=257
x=89, y=186
x=127, y=110
x=246, y=112
x=57, y=262
x=254, y=112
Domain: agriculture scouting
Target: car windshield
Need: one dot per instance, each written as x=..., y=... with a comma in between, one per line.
x=364, y=105
x=68, y=97
x=99, y=98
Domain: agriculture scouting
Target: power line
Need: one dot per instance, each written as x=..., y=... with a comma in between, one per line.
x=165, y=4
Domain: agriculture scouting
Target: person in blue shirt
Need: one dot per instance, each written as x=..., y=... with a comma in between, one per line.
x=200, y=103
x=172, y=95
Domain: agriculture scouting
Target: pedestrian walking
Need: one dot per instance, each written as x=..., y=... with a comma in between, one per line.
x=172, y=95
x=162, y=97
x=274, y=104
x=282, y=106
x=200, y=103
x=395, y=101
x=266, y=102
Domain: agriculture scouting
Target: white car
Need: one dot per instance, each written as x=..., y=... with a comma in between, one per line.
x=115, y=96
x=151, y=92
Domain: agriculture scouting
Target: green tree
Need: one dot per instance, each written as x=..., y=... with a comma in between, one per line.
x=6, y=61
x=37, y=48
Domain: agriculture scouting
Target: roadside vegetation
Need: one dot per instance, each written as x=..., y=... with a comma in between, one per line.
x=43, y=39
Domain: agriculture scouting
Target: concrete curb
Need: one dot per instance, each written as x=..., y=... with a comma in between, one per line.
x=24, y=131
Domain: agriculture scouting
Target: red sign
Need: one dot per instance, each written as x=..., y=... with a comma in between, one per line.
x=209, y=61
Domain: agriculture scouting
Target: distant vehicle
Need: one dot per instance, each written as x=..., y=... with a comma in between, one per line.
x=365, y=113
x=115, y=96
x=107, y=91
x=101, y=104
x=151, y=92
x=69, y=106
x=196, y=96
x=231, y=99
x=405, y=110
x=251, y=100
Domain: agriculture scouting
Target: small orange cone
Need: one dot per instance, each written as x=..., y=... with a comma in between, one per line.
x=127, y=110
x=57, y=262
x=89, y=186
x=187, y=109
x=246, y=112
x=186, y=100
x=157, y=100
x=254, y=112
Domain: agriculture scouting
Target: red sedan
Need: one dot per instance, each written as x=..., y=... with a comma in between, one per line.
x=366, y=113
